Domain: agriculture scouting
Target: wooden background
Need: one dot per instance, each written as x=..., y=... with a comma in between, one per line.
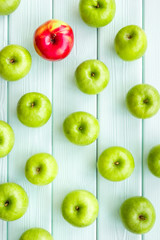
x=77, y=165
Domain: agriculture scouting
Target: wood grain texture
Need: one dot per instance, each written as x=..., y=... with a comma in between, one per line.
x=77, y=165
x=22, y=24
x=151, y=127
x=3, y=116
x=119, y=128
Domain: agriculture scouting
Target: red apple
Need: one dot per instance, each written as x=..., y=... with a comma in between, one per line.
x=54, y=40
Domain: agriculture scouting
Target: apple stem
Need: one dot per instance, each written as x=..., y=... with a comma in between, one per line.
x=92, y=74
x=117, y=163
x=146, y=101
x=80, y=128
x=38, y=170
x=32, y=105
x=12, y=61
x=98, y=6
x=53, y=38
x=129, y=36
x=77, y=208
x=6, y=204
x=141, y=217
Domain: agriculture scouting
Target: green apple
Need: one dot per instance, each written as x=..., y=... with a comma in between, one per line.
x=80, y=208
x=34, y=109
x=116, y=164
x=138, y=215
x=6, y=139
x=97, y=13
x=154, y=161
x=81, y=128
x=13, y=201
x=130, y=43
x=36, y=234
x=92, y=76
x=143, y=101
x=15, y=62
x=41, y=169
x=8, y=6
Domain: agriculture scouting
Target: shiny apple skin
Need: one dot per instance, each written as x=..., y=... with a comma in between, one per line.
x=153, y=161
x=54, y=40
x=80, y=208
x=13, y=201
x=138, y=215
x=36, y=234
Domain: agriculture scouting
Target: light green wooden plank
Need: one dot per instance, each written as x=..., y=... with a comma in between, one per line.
x=22, y=25
x=3, y=116
x=119, y=128
x=151, y=128
x=77, y=165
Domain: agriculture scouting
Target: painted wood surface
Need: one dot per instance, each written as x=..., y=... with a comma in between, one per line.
x=119, y=128
x=3, y=115
x=22, y=25
x=151, y=128
x=77, y=165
